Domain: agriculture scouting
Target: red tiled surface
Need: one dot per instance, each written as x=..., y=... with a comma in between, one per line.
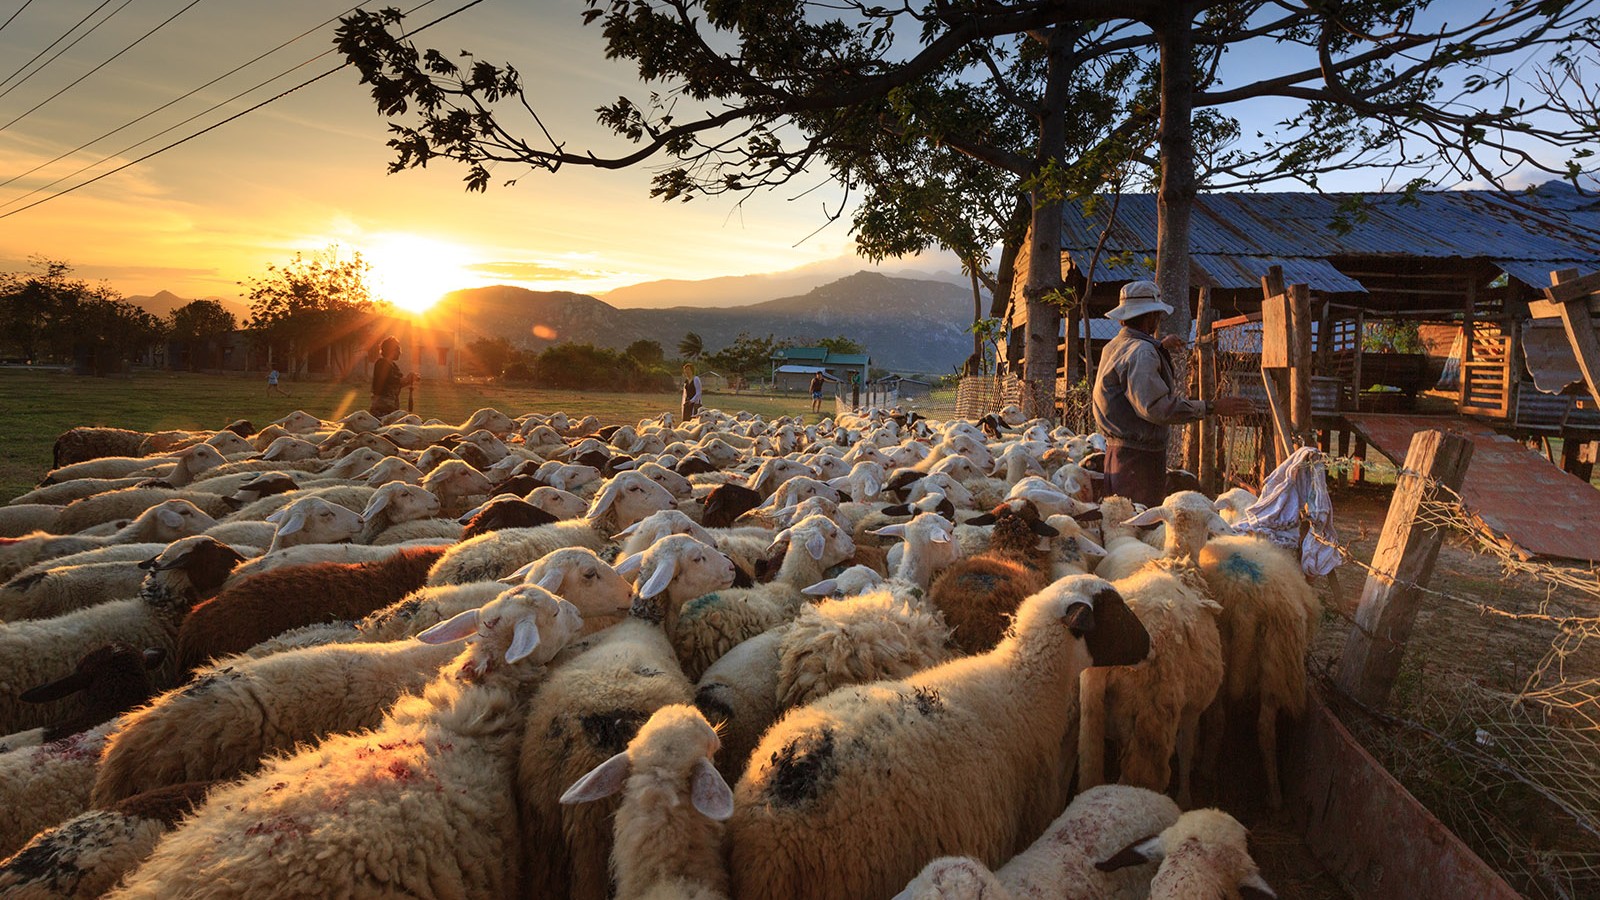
x=1517, y=491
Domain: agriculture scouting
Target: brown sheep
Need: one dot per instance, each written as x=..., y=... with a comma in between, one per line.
x=979, y=594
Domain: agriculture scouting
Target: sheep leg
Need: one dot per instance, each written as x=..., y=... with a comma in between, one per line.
x=1267, y=740
x=1213, y=722
x=1091, y=728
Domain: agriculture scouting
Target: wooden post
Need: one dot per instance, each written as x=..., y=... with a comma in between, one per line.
x=1402, y=563
x=1324, y=363
x=1206, y=429
x=1569, y=298
x=1468, y=333
x=1355, y=363
x=1276, y=357
x=1300, y=358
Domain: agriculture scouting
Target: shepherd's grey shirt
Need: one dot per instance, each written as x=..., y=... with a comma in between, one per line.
x=1134, y=397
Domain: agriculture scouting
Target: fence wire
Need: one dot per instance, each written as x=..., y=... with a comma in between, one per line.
x=1516, y=774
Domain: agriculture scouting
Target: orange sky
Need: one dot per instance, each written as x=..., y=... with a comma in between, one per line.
x=309, y=170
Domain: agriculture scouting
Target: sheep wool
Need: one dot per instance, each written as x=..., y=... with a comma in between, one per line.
x=417, y=806
x=975, y=746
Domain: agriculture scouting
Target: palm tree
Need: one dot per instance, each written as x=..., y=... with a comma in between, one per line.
x=691, y=347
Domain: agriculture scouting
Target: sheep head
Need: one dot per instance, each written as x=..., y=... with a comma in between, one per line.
x=818, y=537
x=1093, y=612
x=398, y=502
x=675, y=746
x=313, y=520
x=680, y=567
x=581, y=578
x=166, y=521
x=1214, y=846
x=627, y=498
x=525, y=623
x=1191, y=520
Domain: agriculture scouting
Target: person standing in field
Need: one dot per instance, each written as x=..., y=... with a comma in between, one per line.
x=691, y=392
x=816, y=392
x=1136, y=400
x=272, y=384
x=387, y=379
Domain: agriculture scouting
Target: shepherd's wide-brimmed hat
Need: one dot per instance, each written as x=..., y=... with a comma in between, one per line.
x=1138, y=298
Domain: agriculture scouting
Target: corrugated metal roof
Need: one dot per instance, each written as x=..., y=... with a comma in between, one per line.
x=1245, y=272
x=1252, y=231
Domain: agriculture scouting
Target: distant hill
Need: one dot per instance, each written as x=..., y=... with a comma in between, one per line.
x=164, y=302
x=907, y=325
x=747, y=290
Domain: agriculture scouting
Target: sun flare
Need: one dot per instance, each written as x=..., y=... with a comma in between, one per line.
x=414, y=272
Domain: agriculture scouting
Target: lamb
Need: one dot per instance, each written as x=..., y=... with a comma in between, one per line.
x=1232, y=503
x=167, y=521
x=1061, y=864
x=41, y=650
x=626, y=498
x=312, y=520
x=250, y=611
x=436, y=768
x=978, y=594
x=594, y=701
x=87, y=855
x=994, y=723
x=112, y=678
x=1125, y=552
x=1204, y=854
x=395, y=505
x=49, y=590
x=710, y=626
x=1152, y=709
x=669, y=787
x=456, y=484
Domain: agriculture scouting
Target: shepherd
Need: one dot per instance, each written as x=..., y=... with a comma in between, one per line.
x=1136, y=400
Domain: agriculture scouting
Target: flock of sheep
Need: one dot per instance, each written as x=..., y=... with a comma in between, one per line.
x=879, y=656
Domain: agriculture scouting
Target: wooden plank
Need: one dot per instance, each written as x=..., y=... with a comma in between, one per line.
x=1571, y=286
x=1278, y=408
x=1276, y=328
x=1402, y=564
x=1206, y=349
x=1579, y=325
x=1300, y=358
x=1355, y=362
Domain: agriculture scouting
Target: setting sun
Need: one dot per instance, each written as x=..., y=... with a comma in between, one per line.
x=414, y=272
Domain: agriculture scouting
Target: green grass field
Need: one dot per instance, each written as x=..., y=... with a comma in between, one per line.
x=36, y=406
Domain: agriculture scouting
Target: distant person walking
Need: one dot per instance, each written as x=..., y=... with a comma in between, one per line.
x=691, y=392
x=272, y=384
x=387, y=379
x=816, y=392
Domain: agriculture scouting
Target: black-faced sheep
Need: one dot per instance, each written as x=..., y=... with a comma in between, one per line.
x=112, y=679
x=979, y=594
x=164, y=522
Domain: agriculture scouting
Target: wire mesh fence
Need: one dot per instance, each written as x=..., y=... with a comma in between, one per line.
x=1514, y=772
x=980, y=395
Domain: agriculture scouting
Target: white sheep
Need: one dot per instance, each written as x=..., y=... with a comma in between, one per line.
x=1125, y=553
x=1152, y=709
x=36, y=651
x=164, y=522
x=1205, y=853
x=927, y=548
x=312, y=520
x=433, y=775
x=595, y=699
x=43, y=786
x=855, y=640
x=458, y=486
x=19, y=518
x=1061, y=863
x=1232, y=503
x=401, y=512
x=557, y=502
x=810, y=813
x=1074, y=552
x=710, y=626
x=667, y=842
x=48, y=591
x=626, y=498
x=389, y=469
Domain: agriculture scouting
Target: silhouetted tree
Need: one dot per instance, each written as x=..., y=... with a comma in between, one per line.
x=202, y=325
x=691, y=347
x=312, y=303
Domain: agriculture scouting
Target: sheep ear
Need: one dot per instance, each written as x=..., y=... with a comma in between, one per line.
x=1253, y=887
x=56, y=690
x=660, y=577
x=1098, y=442
x=1219, y=505
x=153, y=657
x=601, y=782
x=603, y=500
x=1043, y=530
x=524, y=639
x=463, y=625
x=1079, y=618
x=1155, y=515
x=781, y=539
x=292, y=522
x=379, y=501
x=822, y=588
x=903, y=509
x=1219, y=525
x=551, y=580
x=939, y=536
x=169, y=518
x=520, y=575
x=1144, y=850
x=709, y=792
x=468, y=517
x=629, y=564
x=897, y=530
x=1087, y=545
x=985, y=519
x=816, y=545
x=871, y=486
x=1093, y=515
x=627, y=531
x=946, y=508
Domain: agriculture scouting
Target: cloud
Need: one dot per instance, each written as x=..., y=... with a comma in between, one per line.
x=538, y=271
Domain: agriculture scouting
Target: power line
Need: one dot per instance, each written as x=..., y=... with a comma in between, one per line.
x=84, y=146
x=58, y=40
x=167, y=21
x=15, y=14
x=238, y=115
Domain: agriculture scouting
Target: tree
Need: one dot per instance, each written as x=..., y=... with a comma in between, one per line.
x=841, y=344
x=201, y=325
x=311, y=304
x=491, y=355
x=647, y=353
x=798, y=85
x=48, y=314
x=746, y=356
x=691, y=347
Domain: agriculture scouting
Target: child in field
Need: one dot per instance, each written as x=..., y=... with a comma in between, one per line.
x=272, y=384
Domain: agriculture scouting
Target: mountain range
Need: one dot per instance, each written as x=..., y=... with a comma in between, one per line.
x=907, y=325
x=745, y=290
x=163, y=302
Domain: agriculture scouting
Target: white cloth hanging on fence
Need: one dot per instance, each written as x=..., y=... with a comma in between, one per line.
x=1299, y=485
